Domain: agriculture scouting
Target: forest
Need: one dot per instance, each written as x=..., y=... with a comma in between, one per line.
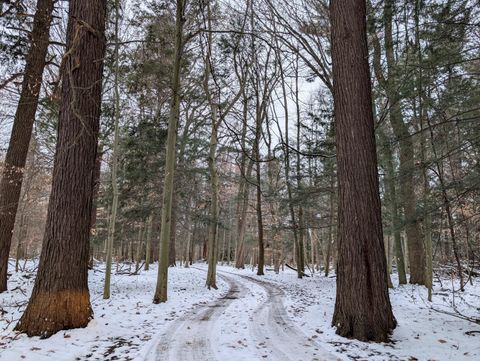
x=219, y=180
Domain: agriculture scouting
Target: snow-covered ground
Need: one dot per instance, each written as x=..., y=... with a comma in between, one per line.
x=275, y=317
x=124, y=327
x=423, y=331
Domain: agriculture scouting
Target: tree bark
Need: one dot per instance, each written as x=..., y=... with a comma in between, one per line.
x=162, y=280
x=116, y=136
x=407, y=162
x=243, y=197
x=12, y=177
x=171, y=248
x=261, y=247
x=301, y=221
x=286, y=151
x=329, y=241
x=362, y=307
x=96, y=188
x=148, y=246
x=213, y=221
x=392, y=204
x=60, y=297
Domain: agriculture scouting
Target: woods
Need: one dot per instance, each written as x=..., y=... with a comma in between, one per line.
x=337, y=140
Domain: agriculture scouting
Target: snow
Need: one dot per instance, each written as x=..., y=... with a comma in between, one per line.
x=422, y=333
x=124, y=327
x=274, y=317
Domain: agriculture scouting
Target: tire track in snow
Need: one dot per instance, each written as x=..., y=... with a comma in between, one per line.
x=270, y=333
x=188, y=339
x=274, y=332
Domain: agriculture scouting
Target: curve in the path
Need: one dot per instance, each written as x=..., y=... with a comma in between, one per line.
x=188, y=339
x=274, y=331
x=213, y=331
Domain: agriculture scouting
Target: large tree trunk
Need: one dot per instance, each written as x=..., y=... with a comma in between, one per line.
x=165, y=229
x=362, y=307
x=12, y=177
x=60, y=298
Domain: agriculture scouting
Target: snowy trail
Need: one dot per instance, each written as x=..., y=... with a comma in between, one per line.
x=249, y=323
x=188, y=339
x=281, y=338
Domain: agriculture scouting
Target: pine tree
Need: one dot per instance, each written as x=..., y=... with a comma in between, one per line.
x=362, y=306
x=60, y=298
x=165, y=228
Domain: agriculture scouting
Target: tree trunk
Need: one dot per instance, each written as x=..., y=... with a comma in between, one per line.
x=329, y=242
x=243, y=191
x=244, y=195
x=362, y=307
x=139, y=250
x=213, y=222
x=261, y=247
x=12, y=177
x=189, y=239
x=171, y=248
x=96, y=188
x=395, y=224
x=286, y=151
x=407, y=162
x=165, y=229
x=60, y=296
x=148, y=247
x=301, y=221
x=113, y=216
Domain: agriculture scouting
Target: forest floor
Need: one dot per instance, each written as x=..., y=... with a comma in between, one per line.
x=274, y=317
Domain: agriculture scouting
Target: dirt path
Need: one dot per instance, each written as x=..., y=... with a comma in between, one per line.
x=249, y=323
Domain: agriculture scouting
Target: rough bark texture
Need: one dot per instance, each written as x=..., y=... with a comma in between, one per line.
x=60, y=297
x=12, y=177
x=362, y=307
